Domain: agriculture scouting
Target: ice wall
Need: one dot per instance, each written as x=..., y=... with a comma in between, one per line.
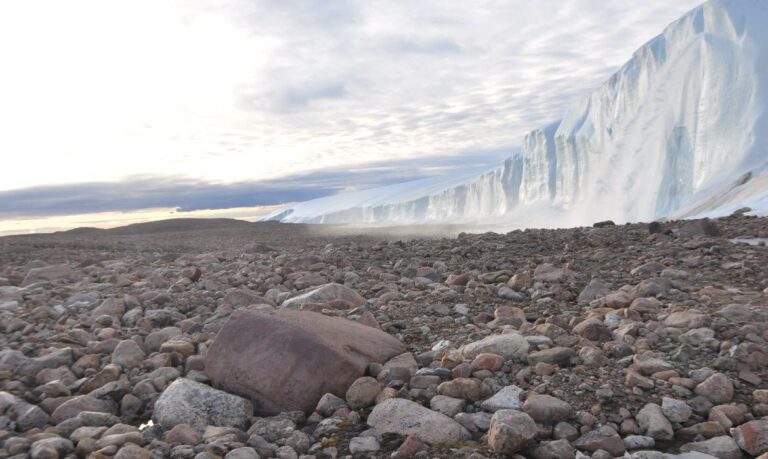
x=680, y=130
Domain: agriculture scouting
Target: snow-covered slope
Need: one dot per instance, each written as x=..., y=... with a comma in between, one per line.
x=680, y=130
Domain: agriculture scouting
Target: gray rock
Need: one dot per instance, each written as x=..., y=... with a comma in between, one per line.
x=675, y=410
x=654, y=424
x=189, y=402
x=603, y=438
x=324, y=294
x=54, y=359
x=82, y=403
x=448, y=406
x=508, y=345
x=362, y=393
x=508, y=398
x=245, y=452
x=594, y=290
x=42, y=449
x=557, y=449
x=328, y=404
x=362, y=445
x=26, y=414
x=405, y=417
x=474, y=422
x=723, y=447
x=639, y=442
x=565, y=430
x=509, y=294
x=154, y=340
x=555, y=356
x=51, y=273
x=547, y=409
x=110, y=307
x=128, y=354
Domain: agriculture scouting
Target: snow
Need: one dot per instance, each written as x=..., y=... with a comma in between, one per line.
x=681, y=130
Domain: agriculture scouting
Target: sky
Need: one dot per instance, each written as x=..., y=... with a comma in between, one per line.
x=196, y=104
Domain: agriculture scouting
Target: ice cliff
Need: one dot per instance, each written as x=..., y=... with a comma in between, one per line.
x=680, y=130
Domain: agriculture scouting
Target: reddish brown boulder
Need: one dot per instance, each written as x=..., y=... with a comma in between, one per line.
x=752, y=437
x=286, y=360
x=705, y=227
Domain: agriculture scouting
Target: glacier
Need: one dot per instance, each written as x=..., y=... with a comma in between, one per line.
x=680, y=131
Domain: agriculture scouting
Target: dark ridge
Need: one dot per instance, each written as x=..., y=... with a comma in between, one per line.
x=177, y=224
x=80, y=230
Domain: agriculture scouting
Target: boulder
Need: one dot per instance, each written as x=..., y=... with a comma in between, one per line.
x=189, y=402
x=510, y=431
x=27, y=415
x=593, y=330
x=508, y=345
x=404, y=417
x=555, y=356
x=654, y=424
x=286, y=360
x=508, y=398
x=48, y=274
x=752, y=437
x=549, y=273
x=242, y=298
x=362, y=393
x=79, y=404
x=128, y=354
x=324, y=294
x=594, y=290
x=705, y=227
x=51, y=447
x=718, y=388
x=722, y=447
x=547, y=409
x=604, y=438
x=110, y=307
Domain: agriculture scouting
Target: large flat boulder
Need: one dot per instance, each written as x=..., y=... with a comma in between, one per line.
x=325, y=294
x=286, y=360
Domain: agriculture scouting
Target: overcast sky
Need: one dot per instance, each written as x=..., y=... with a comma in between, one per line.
x=218, y=92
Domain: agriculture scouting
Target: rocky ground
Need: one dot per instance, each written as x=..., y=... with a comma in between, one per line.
x=229, y=339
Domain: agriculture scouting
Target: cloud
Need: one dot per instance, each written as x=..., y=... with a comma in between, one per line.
x=247, y=91
x=298, y=96
x=418, y=45
x=191, y=194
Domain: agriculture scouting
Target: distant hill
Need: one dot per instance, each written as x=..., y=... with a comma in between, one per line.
x=80, y=230
x=177, y=224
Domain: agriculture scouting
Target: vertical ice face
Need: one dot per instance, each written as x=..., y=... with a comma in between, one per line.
x=540, y=170
x=680, y=129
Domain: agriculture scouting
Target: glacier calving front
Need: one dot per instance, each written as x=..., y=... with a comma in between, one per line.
x=680, y=130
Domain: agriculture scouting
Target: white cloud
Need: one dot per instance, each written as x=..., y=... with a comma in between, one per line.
x=241, y=90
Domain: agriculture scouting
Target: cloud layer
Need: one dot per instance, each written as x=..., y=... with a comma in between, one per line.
x=187, y=194
x=240, y=92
